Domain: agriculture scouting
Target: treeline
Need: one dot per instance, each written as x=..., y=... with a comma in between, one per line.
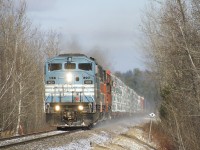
x=144, y=85
x=173, y=42
x=23, y=49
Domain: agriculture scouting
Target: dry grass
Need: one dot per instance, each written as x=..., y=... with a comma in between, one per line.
x=159, y=136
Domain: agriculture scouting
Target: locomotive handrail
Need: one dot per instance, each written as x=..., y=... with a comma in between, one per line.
x=47, y=97
x=87, y=98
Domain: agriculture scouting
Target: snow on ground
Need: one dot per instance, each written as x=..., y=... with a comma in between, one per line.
x=85, y=144
x=129, y=144
x=133, y=139
x=118, y=136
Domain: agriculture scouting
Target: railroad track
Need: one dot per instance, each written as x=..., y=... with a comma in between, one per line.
x=24, y=139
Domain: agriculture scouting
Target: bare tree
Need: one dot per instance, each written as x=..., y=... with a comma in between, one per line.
x=173, y=41
x=52, y=41
x=23, y=50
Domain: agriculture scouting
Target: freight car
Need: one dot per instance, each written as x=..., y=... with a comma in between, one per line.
x=80, y=93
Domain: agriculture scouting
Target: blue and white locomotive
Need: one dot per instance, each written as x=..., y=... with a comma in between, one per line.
x=72, y=90
x=79, y=92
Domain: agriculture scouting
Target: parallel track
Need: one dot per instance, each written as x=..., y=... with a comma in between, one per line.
x=19, y=140
x=20, y=136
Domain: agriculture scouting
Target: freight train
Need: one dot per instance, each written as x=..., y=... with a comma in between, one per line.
x=80, y=93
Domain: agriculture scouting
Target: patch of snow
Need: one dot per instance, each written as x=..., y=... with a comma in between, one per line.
x=120, y=130
x=85, y=144
x=129, y=144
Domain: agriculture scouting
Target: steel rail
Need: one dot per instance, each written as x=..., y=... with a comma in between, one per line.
x=25, y=141
x=24, y=135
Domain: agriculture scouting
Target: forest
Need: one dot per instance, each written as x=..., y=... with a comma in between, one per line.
x=171, y=41
x=23, y=50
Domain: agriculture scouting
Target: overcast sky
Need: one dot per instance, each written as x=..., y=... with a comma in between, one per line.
x=111, y=25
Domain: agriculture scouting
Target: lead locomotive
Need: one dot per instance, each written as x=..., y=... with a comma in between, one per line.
x=79, y=92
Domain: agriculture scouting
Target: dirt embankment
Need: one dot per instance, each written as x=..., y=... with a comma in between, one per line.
x=133, y=139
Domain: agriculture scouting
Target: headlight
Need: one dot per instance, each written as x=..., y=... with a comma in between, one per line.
x=69, y=77
x=57, y=108
x=80, y=107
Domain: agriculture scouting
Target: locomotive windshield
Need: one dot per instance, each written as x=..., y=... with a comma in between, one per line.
x=70, y=66
x=55, y=66
x=85, y=66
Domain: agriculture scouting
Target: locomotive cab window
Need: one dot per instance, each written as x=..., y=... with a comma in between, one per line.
x=54, y=67
x=70, y=66
x=85, y=66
